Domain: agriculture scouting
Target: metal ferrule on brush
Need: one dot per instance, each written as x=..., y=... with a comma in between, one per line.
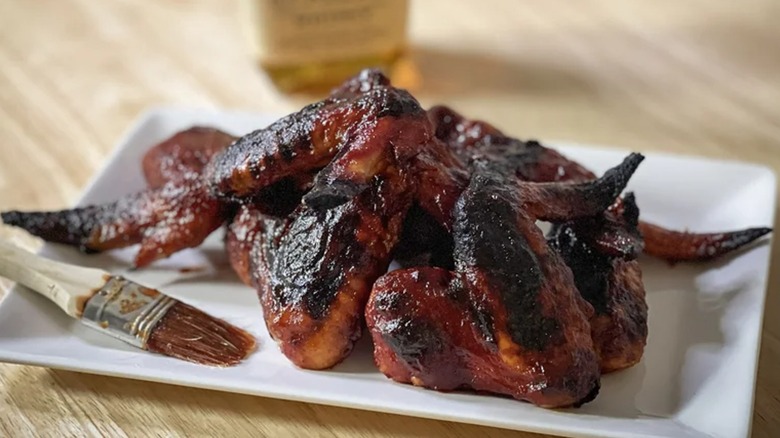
x=126, y=310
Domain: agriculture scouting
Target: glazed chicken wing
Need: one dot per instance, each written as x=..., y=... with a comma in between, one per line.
x=308, y=139
x=314, y=277
x=176, y=212
x=178, y=215
x=611, y=281
x=509, y=320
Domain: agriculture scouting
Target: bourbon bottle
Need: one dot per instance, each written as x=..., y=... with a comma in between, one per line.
x=311, y=45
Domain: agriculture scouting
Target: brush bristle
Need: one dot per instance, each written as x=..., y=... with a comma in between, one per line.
x=189, y=334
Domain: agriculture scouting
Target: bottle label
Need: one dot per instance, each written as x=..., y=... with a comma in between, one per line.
x=284, y=32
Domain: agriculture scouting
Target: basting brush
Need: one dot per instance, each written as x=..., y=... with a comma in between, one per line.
x=141, y=316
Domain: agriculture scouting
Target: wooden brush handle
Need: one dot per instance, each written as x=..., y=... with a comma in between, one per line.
x=69, y=286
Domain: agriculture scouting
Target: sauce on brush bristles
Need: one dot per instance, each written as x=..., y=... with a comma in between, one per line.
x=189, y=334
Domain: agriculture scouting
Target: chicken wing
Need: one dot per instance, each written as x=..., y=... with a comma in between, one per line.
x=509, y=320
x=314, y=278
x=178, y=215
x=610, y=281
x=308, y=139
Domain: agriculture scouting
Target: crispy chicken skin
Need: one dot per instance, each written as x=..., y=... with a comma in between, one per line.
x=509, y=319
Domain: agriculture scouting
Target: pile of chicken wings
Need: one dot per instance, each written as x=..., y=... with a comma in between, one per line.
x=319, y=203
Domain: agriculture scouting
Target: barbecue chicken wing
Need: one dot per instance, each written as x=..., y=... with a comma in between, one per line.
x=509, y=319
x=176, y=212
x=314, y=277
x=611, y=281
x=178, y=215
x=307, y=140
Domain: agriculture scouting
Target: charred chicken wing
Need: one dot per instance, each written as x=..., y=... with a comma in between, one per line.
x=509, y=319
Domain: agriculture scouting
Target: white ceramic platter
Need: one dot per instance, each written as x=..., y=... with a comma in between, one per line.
x=697, y=377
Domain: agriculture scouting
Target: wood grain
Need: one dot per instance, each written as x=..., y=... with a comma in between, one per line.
x=696, y=77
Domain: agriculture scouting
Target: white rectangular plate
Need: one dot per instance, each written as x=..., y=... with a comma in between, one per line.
x=697, y=377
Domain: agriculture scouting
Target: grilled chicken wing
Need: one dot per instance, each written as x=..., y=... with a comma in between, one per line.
x=611, y=281
x=178, y=215
x=308, y=139
x=176, y=212
x=314, y=277
x=509, y=320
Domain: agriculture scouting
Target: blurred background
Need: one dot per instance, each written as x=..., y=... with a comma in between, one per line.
x=695, y=77
x=660, y=75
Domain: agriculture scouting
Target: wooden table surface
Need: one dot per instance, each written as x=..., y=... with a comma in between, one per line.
x=697, y=77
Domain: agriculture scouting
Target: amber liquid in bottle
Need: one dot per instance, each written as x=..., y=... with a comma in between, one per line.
x=312, y=45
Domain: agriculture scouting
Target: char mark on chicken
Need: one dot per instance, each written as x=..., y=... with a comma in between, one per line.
x=611, y=282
